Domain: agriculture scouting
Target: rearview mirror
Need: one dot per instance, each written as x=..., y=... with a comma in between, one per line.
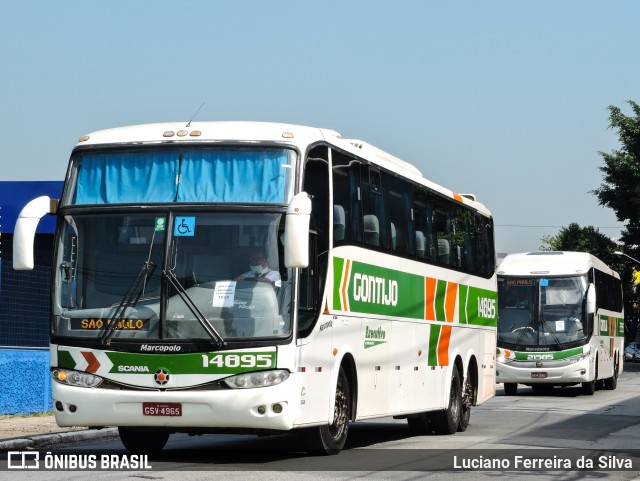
x=591, y=299
x=25, y=230
x=296, y=231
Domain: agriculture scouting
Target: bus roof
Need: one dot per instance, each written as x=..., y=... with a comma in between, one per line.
x=551, y=263
x=253, y=132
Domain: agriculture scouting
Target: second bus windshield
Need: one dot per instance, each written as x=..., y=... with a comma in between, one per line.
x=541, y=311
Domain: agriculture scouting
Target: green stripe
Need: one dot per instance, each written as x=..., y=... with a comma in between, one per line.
x=557, y=355
x=441, y=293
x=65, y=360
x=434, y=334
x=338, y=265
x=462, y=303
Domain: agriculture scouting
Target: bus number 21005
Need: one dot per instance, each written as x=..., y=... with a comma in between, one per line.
x=238, y=360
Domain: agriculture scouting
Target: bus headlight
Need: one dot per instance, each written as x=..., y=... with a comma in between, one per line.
x=503, y=359
x=76, y=378
x=257, y=379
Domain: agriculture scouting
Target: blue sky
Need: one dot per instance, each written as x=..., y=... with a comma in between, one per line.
x=504, y=99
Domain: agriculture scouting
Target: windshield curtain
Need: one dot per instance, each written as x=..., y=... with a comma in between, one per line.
x=183, y=175
x=170, y=276
x=535, y=312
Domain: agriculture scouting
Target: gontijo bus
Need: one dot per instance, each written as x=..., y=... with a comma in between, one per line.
x=560, y=321
x=385, y=302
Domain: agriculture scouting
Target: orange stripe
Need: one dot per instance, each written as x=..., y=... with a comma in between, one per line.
x=450, y=301
x=344, y=285
x=445, y=334
x=443, y=346
x=430, y=294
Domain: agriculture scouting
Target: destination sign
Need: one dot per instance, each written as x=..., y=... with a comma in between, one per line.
x=96, y=324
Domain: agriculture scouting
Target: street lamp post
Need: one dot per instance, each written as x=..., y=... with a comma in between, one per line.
x=620, y=253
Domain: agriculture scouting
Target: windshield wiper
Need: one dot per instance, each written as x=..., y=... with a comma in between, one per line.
x=204, y=322
x=555, y=338
x=523, y=331
x=130, y=299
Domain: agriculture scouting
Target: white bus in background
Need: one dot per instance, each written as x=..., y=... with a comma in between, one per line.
x=380, y=298
x=560, y=322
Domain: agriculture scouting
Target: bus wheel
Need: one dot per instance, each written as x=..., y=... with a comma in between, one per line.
x=467, y=401
x=510, y=388
x=447, y=420
x=330, y=439
x=612, y=382
x=143, y=442
x=588, y=388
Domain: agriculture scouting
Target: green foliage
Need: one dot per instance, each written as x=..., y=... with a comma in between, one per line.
x=582, y=239
x=620, y=188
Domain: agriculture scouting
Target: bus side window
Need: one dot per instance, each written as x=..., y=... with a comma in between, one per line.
x=423, y=205
x=316, y=184
x=401, y=216
x=374, y=207
x=346, y=199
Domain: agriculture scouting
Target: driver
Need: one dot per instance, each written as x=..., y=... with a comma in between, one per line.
x=260, y=270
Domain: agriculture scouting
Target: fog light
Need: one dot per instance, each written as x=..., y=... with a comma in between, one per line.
x=59, y=406
x=72, y=408
x=277, y=408
x=262, y=409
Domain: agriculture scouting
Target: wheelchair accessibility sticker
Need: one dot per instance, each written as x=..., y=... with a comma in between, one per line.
x=185, y=226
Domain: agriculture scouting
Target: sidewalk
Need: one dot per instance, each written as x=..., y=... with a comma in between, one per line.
x=39, y=431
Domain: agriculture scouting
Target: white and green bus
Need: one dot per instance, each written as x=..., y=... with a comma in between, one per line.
x=560, y=322
x=376, y=294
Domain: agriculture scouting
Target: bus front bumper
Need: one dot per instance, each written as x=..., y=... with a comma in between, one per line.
x=548, y=373
x=268, y=408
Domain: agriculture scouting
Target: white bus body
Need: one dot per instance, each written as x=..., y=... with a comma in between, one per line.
x=384, y=302
x=560, y=321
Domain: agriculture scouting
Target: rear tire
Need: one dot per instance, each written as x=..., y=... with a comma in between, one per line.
x=448, y=420
x=466, y=403
x=612, y=382
x=143, y=442
x=510, y=388
x=330, y=439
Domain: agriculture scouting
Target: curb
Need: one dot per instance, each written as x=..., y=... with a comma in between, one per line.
x=45, y=440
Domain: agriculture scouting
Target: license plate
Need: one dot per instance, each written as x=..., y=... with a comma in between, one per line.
x=162, y=409
x=538, y=375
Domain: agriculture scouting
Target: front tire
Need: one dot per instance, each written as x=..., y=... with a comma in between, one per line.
x=589, y=388
x=448, y=420
x=143, y=442
x=330, y=439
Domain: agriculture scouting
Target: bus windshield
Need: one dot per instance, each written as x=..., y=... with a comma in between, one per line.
x=541, y=311
x=171, y=276
x=217, y=174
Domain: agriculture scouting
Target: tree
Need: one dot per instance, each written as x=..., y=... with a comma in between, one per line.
x=620, y=191
x=583, y=239
x=620, y=188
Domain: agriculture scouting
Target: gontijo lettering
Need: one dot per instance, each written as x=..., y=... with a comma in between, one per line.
x=375, y=290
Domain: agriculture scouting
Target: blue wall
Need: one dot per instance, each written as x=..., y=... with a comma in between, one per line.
x=15, y=195
x=25, y=383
